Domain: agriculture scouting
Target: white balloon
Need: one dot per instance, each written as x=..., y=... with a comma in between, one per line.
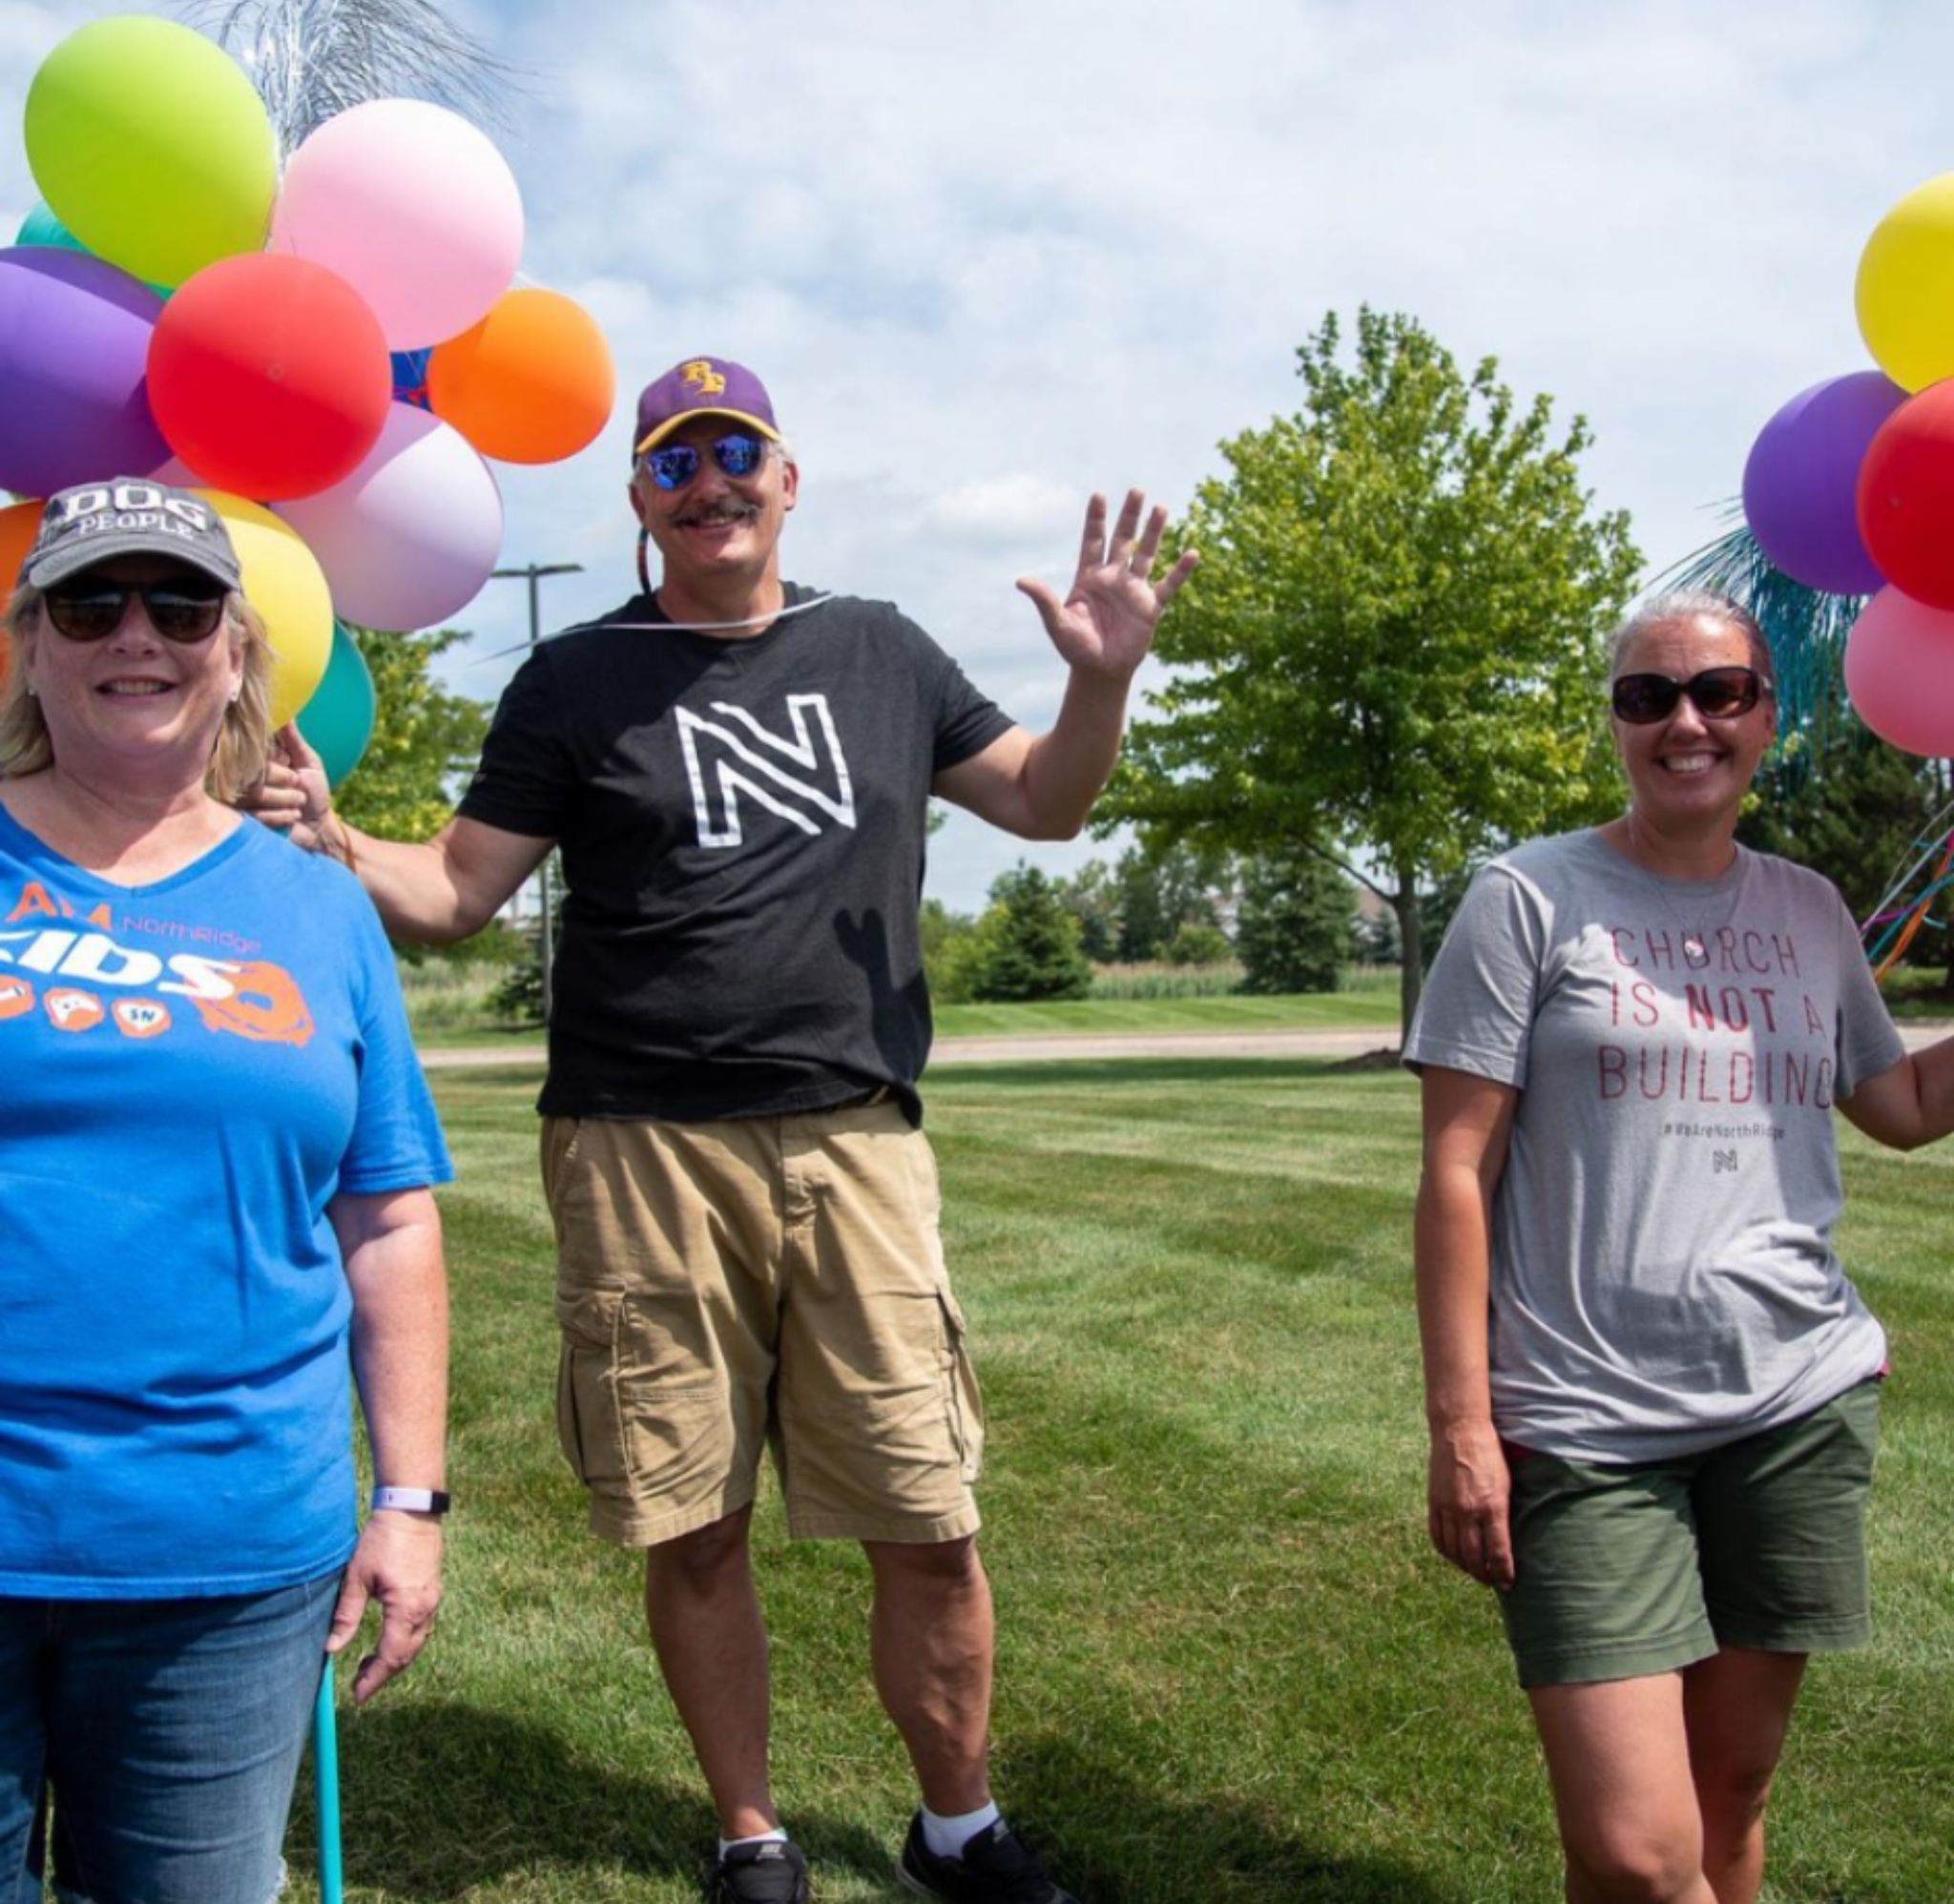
x=411, y=536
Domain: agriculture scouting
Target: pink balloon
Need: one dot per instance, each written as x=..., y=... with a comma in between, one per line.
x=413, y=207
x=411, y=534
x=1900, y=673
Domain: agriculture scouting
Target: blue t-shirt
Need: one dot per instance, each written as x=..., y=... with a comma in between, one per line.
x=192, y=1070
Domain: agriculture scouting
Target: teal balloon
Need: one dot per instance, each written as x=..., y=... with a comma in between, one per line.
x=42, y=227
x=337, y=721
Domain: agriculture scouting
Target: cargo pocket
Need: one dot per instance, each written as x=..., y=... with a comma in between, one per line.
x=586, y=1417
x=963, y=1403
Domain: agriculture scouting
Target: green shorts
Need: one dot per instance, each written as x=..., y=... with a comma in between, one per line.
x=1626, y=1570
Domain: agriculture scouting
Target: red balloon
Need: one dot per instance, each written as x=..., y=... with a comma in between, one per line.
x=269, y=376
x=1906, y=497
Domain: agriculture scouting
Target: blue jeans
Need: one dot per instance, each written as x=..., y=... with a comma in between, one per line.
x=170, y=1731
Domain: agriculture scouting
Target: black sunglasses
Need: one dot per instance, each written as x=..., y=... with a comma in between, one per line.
x=674, y=465
x=1716, y=694
x=94, y=610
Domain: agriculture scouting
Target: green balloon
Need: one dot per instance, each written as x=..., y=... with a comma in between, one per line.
x=337, y=721
x=152, y=147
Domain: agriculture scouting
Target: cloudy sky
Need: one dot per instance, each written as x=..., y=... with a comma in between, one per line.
x=992, y=258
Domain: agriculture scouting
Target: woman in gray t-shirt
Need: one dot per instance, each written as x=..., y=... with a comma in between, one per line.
x=1651, y=1388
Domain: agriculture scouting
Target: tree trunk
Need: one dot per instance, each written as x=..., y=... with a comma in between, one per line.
x=1410, y=950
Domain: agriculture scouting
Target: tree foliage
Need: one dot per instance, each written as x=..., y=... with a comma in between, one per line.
x=424, y=739
x=1027, y=942
x=1394, y=642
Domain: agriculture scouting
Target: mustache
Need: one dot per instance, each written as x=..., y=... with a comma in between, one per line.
x=730, y=509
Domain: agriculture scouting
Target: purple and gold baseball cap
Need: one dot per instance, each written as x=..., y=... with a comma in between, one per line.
x=127, y=515
x=703, y=386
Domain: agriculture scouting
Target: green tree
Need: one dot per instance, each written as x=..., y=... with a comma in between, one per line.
x=1092, y=898
x=950, y=944
x=1029, y=943
x=1296, y=928
x=424, y=739
x=1162, y=886
x=1394, y=639
x=1194, y=944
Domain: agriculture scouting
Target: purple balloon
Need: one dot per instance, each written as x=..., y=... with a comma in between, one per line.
x=1802, y=481
x=75, y=336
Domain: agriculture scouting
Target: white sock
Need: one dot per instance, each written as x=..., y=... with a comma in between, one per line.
x=947, y=1837
x=777, y=1836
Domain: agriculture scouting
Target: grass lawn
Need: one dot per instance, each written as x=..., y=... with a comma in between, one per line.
x=1230, y=1668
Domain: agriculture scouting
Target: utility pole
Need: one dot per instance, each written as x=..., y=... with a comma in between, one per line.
x=533, y=574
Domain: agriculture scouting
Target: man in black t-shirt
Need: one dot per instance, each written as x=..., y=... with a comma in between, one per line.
x=737, y=773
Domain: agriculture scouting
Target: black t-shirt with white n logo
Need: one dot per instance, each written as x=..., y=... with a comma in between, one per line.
x=743, y=828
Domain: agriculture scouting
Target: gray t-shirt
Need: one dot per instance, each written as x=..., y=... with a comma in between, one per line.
x=1663, y=1278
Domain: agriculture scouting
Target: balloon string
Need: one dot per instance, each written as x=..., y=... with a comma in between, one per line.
x=682, y=627
x=716, y=627
x=1917, y=918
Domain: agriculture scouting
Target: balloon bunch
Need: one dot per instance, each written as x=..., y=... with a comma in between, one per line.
x=1849, y=488
x=329, y=355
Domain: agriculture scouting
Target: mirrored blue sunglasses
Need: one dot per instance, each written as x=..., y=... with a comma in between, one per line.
x=673, y=466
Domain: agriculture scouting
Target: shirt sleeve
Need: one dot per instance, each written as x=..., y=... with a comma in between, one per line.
x=1477, y=1010
x=527, y=779
x=396, y=1143
x=966, y=720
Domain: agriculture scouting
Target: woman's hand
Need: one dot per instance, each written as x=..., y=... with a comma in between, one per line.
x=1467, y=1490
x=397, y=1565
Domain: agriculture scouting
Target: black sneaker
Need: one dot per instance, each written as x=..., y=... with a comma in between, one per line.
x=995, y=1867
x=772, y=1872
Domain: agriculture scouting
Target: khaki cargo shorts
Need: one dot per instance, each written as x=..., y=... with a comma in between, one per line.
x=723, y=1287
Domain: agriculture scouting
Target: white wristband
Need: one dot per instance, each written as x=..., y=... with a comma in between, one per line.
x=411, y=1499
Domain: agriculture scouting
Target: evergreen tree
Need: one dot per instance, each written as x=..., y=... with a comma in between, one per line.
x=1297, y=929
x=1029, y=943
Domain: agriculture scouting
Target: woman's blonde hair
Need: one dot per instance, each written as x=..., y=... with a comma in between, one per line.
x=243, y=743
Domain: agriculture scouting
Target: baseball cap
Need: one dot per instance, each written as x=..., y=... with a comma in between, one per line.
x=129, y=515
x=702, y=387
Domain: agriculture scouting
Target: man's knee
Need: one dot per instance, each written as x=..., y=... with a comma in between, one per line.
x=702, y=1558
x=946, y=1565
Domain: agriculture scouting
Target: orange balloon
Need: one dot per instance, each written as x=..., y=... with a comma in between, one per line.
x=18, y=522
x=531, y=383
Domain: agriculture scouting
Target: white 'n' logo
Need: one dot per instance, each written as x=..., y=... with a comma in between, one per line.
x=744, y=758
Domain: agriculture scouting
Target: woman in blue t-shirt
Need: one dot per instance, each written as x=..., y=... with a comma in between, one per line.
x=216, y=1153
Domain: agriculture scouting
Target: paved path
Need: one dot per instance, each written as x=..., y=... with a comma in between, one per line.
x=1035, y=1048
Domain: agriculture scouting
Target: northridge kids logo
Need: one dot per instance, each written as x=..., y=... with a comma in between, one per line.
x=81, y=978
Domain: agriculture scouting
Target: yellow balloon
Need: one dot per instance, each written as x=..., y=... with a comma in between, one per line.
x=1905, y=291
x=284, y=583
